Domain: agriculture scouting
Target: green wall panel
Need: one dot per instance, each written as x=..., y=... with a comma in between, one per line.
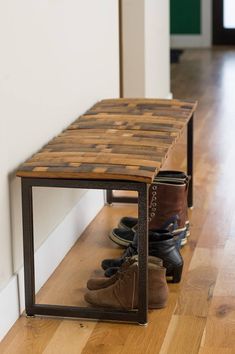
x=185, y=16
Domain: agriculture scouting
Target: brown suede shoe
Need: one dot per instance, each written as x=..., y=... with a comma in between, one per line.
x=123, y=294
x=104, y=282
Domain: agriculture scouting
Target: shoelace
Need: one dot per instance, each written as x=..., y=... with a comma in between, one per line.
x=130, y=251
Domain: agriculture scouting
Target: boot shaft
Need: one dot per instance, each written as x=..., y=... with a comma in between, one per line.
x=168, y=198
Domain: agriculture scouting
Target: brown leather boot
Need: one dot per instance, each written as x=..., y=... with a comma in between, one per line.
x=167, y=199
x=123, y=294
x=104, y=282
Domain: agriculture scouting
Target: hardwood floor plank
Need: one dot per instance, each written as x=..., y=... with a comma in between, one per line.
x=184, y=335
x=214, y=350
x=78, y=334
x=29, y=336
x=220, y=325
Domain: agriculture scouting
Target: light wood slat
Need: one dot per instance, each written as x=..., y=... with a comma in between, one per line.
x=136, y=118
x=140, y=176
x=97, y=160
x=131, y=142
x=131, y=117
x=121, y=134
x=127, y=125
x=162, y=112
x=147, y=133
x=156, y=155
x=72, y=156
x=94, y=154
x=115, y=139
x=165, y=139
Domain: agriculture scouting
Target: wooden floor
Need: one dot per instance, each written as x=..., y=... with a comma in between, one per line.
x=200, y=316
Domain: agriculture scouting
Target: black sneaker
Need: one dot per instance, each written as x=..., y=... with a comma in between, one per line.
x=117, y=262
x=127, y=222
x=122, y=237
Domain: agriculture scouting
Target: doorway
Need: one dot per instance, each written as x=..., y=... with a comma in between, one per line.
x=224, y=22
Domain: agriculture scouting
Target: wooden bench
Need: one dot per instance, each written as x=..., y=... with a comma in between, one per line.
x=118, y=144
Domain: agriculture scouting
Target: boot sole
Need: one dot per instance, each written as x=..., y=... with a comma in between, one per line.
x=119, y=241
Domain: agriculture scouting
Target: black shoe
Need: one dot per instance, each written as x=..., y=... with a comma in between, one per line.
x=111, y=271
x=124, y=237
x=165, y=247
x=127, y=222
x=162, y=245
x=116, y=263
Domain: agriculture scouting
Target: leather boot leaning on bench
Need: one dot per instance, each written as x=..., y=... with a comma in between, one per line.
x=117, y=144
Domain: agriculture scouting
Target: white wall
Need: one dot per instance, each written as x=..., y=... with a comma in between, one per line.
x=57, y=58
x=133, y=27
x=157, y=48
x=146, y=48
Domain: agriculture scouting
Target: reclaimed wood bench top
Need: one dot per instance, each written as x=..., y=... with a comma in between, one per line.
x=117, y=139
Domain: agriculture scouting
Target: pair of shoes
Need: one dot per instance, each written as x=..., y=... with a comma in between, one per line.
x=163, y=245
x=121, y=290
x=167, y=199
x=123, y=236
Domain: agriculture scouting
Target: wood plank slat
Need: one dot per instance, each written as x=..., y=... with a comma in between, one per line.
x=104, y=141
x=137, y=118
x=96, y=160
x=148, y=133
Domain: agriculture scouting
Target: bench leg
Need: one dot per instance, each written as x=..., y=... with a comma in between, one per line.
x=143, y=255
x=137, y=316
x=28, y=244
x=110, y=198
x=190, y=160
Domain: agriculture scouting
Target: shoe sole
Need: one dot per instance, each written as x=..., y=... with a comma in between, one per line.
x=119, y=241
x=183, y=242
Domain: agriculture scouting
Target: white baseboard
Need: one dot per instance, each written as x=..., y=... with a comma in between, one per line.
x=170, y=96
x=9, y=306
x=48, y=256
x=189, y=41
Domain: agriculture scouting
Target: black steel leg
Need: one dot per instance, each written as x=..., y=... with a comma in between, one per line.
x=143, y=254
x=190, y=160
x=136, y=316
x=109, y=196
x=28, y=243
x=122, y=199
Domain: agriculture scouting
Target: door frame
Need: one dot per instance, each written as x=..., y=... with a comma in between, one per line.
x=221, y=35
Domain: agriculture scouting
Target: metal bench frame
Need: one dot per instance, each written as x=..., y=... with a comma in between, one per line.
x=137, y=316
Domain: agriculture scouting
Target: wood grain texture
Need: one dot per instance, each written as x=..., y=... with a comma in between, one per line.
x=127, y=139
x=183, y=335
